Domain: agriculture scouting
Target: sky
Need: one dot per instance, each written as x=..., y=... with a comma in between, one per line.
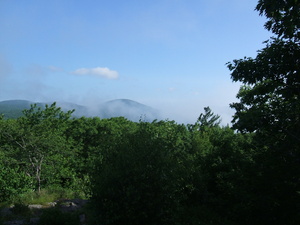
x=168, y=54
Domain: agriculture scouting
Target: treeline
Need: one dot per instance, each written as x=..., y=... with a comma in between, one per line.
x=145, y=173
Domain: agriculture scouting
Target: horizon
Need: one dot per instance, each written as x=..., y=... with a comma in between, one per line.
x=169, y=55
x=94, y=110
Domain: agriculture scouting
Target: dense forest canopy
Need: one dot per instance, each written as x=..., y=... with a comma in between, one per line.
x=162, y=172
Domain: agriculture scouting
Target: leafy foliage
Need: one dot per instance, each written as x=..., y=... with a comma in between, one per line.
x=13, y=182
x=283, y=17
x=139, y=181
x=270, y=96
x=36, y=143
x=269, y=106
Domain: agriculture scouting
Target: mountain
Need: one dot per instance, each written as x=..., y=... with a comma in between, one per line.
x=14, y=108
x=129, y=109
x=80, y=110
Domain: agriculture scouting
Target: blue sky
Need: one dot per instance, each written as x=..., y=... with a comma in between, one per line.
x=168, y=54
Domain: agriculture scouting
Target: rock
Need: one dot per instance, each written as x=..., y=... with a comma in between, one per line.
x=80, y=202
x=65, y=205
x=72, y=204
x=36, y=206
x=51, y=204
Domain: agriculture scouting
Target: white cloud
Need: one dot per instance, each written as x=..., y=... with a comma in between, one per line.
x=103, y=72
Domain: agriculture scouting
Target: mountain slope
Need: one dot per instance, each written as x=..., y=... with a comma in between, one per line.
x=13, y=108
x=129, y=109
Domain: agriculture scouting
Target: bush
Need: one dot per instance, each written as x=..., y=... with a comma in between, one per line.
x=49, y=194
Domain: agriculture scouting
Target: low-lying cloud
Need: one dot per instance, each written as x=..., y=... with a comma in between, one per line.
x=102, y=72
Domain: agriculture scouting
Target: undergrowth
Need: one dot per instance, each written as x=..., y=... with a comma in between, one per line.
x=19, y=207
x=44, y=196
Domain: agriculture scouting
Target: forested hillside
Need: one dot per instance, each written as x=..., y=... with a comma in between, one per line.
x=162, y=172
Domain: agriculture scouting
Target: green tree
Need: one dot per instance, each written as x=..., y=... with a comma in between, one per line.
x=269, y=97
x=91, y=138
x=37, y=142
x=13, y=180
x=283, y=17
x=269, y=106
x=229, y=174
x=206, y=120
x=141, y=179
x=221, y=175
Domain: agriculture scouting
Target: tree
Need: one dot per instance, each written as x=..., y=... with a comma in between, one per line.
x=283, y=17
x=13, y=179
x=229, y=175
x=37, y=142
x=142, y=177
x=220, y=174
x=270, y=94
x=269, y=106
x=206, y=120
x=269, y=98
x=91, y=138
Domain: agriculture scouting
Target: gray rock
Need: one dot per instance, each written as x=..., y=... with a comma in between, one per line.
x=36, y=206
x=51, y=204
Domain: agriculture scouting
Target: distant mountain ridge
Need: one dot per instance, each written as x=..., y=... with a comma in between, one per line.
x=14, y=108
x=127, y=108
